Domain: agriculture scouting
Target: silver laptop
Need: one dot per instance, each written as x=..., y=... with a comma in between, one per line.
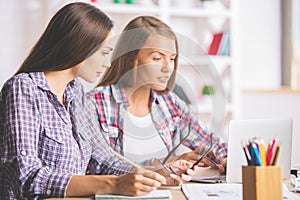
x=243, y=130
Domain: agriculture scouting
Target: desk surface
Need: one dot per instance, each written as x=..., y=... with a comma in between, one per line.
x=177, y=194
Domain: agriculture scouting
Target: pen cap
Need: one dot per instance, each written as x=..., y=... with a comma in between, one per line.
x=262, y=183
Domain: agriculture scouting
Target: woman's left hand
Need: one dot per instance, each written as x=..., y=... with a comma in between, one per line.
x=182, y=169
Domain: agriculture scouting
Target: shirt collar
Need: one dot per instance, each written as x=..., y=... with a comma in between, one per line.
x=40, y=79
x=119, y=94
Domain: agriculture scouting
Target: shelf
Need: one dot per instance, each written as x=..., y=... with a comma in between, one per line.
x=207, y=108
x=207, y=13
x=206, y=61
x=282, y=90
x=128, y=9
x=124, y=8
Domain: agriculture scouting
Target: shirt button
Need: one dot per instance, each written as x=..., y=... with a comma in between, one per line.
x=23, y=153
x=48, y=192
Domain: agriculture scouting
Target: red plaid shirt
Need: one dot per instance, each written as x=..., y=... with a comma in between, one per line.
x=170, y=116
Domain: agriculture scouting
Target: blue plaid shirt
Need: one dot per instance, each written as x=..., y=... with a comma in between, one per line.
x=43, y=142
x=170, y=116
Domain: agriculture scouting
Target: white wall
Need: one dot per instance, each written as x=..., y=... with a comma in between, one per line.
x=279, y=104
x=257, y=49
x=22, y=22
x=10, y=39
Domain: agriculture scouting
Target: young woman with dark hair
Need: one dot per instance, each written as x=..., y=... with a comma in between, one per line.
x=48, y=134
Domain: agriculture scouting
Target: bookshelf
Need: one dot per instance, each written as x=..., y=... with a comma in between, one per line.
x=195, y=23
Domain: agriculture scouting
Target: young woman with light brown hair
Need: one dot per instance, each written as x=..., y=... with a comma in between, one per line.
x=139, y=114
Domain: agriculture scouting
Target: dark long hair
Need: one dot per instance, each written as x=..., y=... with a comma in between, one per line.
x=133, y=38
x=74, y=33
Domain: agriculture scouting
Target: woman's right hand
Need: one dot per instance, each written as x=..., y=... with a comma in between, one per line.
x=137, y=184
x=192, y=156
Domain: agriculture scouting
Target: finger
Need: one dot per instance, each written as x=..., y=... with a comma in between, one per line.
x=143, y=184
x=209, y=162
x=212, y=155
x=176, y=180
x=156, y=177
x=191, y=172
x=143, y=190
x=134, y=185
x=221, y=169
x=182, y=164
x=186, y=177
x=193, y=156
x=200, y=164
x=189, y=156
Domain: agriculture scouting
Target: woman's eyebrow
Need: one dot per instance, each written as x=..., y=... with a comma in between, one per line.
x=108, y=48
x=174, y=54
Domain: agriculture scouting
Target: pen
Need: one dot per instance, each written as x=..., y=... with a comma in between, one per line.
x=271, y=151
x=258, y=158
x=263, y=152
x=128, y=161
x=277, y=153
x=247, y=154
x=252, y=153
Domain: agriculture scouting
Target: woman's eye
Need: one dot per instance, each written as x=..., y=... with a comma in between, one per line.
x=156, y=58
x=172, y=59
x=105, y=53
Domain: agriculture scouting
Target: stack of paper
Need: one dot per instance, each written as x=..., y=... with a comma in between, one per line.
x=156, y=194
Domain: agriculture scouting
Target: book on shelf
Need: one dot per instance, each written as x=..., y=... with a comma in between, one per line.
x=220, y=44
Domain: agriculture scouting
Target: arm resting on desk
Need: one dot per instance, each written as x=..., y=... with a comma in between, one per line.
x=133, y=184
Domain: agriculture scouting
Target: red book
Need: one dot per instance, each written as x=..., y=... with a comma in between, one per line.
x=215, y=44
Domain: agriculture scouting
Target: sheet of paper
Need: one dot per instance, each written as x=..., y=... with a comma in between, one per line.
x=156, y=194
x=208, y=174
x=213, y=191
x=224, y=192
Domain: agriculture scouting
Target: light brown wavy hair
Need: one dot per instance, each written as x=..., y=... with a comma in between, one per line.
x=133, y=38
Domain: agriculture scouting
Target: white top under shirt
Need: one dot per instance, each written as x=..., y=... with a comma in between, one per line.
x=141, y=140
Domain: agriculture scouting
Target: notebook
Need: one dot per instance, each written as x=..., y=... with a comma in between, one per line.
x=156, y=194
x=243, y=130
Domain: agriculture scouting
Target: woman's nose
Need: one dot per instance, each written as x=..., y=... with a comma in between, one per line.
x=167, y=66
x=106, y=63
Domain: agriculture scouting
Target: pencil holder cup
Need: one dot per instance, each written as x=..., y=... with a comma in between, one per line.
x=262, y=183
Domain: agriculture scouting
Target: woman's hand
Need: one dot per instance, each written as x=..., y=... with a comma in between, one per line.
x=193, y=156
x=182, y=171
x=137, y=184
